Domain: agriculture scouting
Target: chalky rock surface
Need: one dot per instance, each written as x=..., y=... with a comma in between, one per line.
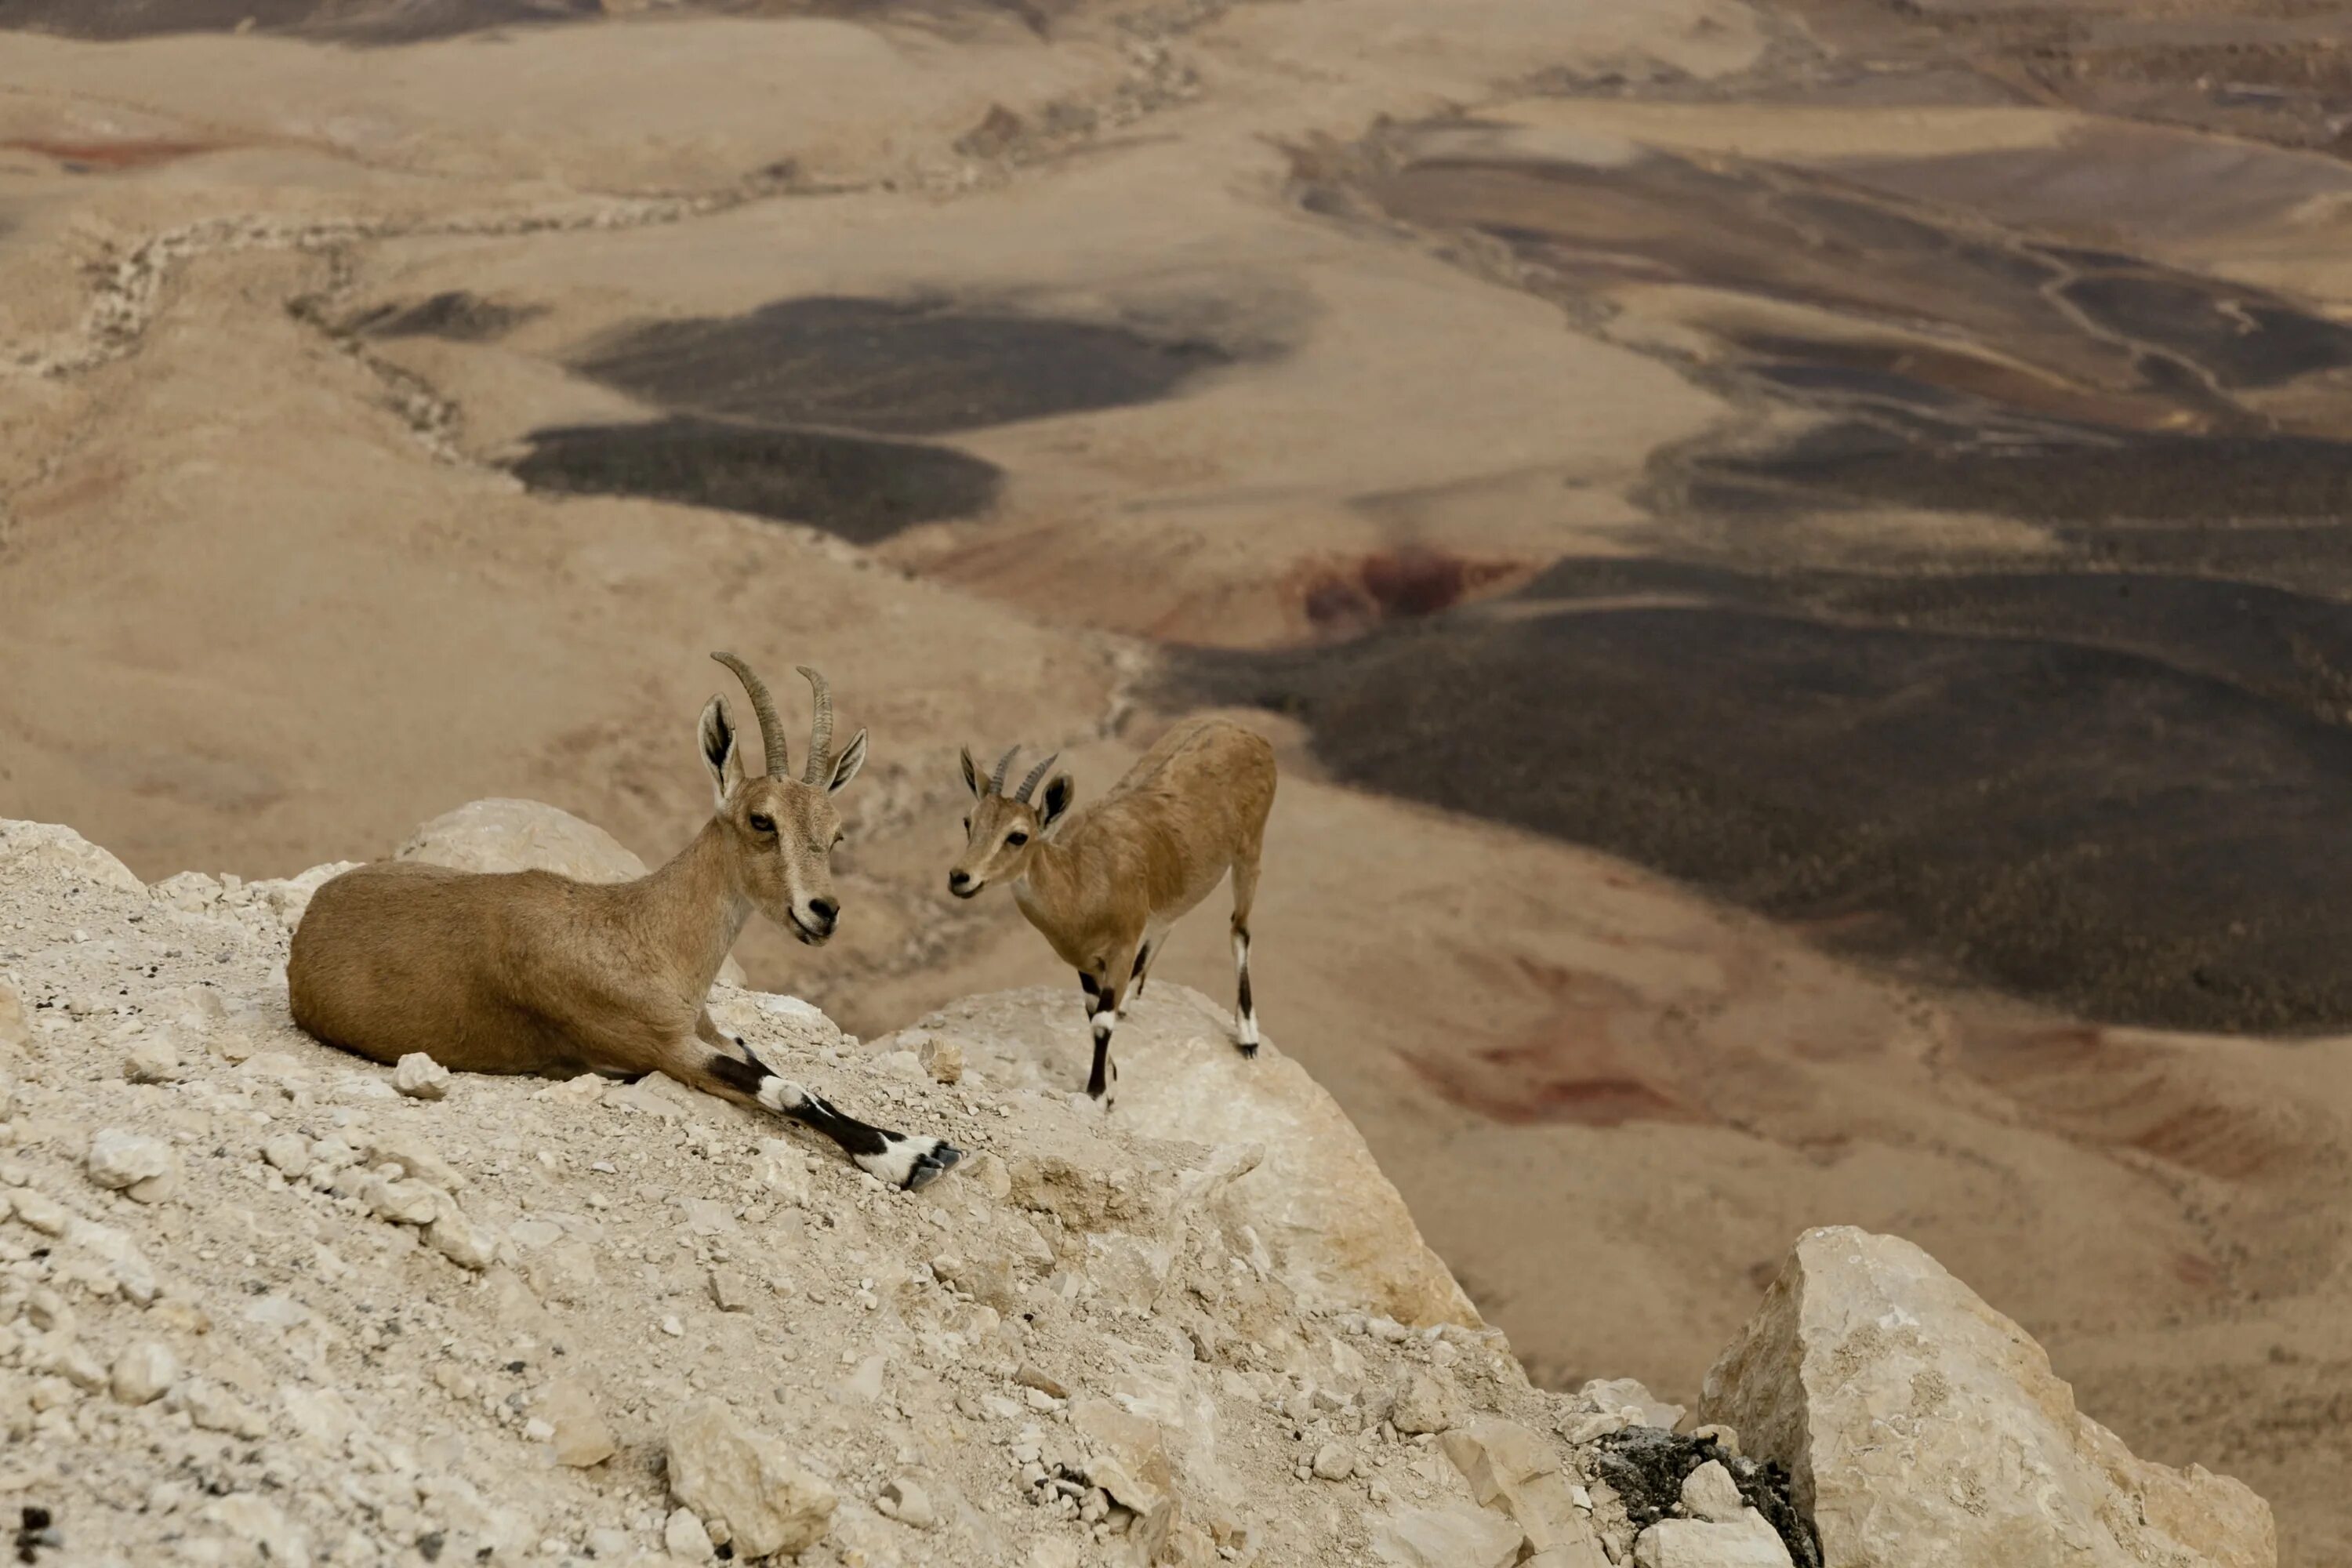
x=1338, y=1231
x=583, y=1324
x=1923, y=1429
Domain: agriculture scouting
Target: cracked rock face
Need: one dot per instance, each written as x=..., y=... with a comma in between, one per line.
x=1869, y=1369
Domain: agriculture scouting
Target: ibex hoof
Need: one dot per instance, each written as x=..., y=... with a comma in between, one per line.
x=930, y=1167
x=911, y=1163
x=1249, y=1051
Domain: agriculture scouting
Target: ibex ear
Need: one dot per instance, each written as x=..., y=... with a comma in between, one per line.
x=718, y=735
x=853, y=759
x=970, y=772
x=1060, y=790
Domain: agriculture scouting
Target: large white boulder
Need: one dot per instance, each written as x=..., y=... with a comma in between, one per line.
x=1923, y=1429
x=50, y=853
x=504, y=835
x=1338, y=1231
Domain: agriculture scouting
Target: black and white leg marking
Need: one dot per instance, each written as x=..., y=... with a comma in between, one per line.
x=1102, y=1010
x=1246, y=1011
x=910, y=1161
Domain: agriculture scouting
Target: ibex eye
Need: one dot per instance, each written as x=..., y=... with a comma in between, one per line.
x=763, y=823
x=1016, y=840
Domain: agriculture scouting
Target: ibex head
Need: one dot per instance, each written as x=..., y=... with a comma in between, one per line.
x=781, y=830
x=1004, y=828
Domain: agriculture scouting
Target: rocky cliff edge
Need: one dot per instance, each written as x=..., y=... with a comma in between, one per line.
x=263, y=1302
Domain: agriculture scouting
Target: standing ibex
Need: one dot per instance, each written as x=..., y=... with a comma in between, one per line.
x=527, y=972
x=1104, y=883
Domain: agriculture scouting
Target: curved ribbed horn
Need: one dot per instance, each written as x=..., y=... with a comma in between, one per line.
x=820, y=727
x=996, y=779
x=1030, y=782
x=771, y=732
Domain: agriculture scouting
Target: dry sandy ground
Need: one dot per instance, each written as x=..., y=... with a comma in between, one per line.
x=1018, y=365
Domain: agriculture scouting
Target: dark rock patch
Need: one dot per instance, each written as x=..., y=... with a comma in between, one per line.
x=1646, y=1466
x=456, y=315
x=2130, y=800
x=862, y=490
x=351, y=21
x=897, y=367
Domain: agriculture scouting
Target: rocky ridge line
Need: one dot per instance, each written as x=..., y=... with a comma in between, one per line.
x=264, y=1302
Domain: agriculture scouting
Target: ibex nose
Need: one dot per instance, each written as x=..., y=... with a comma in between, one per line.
x=824, y=912
x=958, y=878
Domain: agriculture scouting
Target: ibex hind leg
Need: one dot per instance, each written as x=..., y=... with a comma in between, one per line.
x=904, y=1159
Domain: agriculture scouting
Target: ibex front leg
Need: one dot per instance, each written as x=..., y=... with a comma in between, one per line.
x=904, y=1159
x=1106, y=1000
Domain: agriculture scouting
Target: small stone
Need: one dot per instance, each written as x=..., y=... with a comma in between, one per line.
x=47, y=1312
x=943, y=1059
x=1695, y=1544
x=1425, y=1403
x=1032, y=1376
x=1723, y=1437
x=416, y=1159
x=730, y=1290
x=288, y=1154
x=685, y=1537
x=783, y=1170
x=724, y=1471
x=905, y=1500
x=606, y=1544
x=40, y=1211
x=215, y=1409
x=1124, y=1486
x=407, y=1203
x=1709, y=1493
x=1334, y=1463
x=673, y=1327
x=460, y=1241
x=144, y=1370
x=152, y=1060
x=1511, y=1467
x=74, y=1361
x=16, y=1024
x=1456, y=1536
x=991, y=1174
x=153, y=1190
x=119, y=1159
x=1630, y=1398
x=579, y=1432
x=419, y=1077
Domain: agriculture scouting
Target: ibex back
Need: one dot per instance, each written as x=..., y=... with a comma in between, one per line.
x=1104, y=883
x=529, y=971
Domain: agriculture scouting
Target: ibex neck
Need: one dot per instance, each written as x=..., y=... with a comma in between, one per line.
x=691, y=909
x=1050, y=878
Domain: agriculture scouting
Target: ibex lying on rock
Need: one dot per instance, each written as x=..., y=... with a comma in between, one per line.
x=1104, y=883
x=529, y=971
